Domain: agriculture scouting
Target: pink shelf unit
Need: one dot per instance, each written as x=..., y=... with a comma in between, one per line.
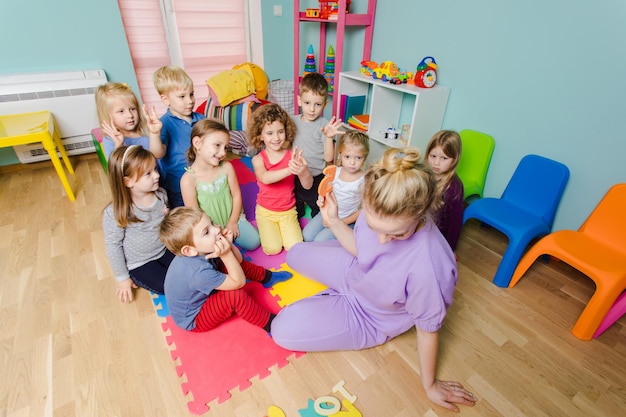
x=344, y=19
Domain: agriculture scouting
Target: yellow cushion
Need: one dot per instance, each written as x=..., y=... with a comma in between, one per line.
x=231, y=85
x=260, y=78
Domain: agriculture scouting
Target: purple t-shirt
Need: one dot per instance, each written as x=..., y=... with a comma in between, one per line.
x=403, y=282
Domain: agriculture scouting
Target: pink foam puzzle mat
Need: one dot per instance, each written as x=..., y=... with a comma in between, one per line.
x=214, y=363
x=225, y=358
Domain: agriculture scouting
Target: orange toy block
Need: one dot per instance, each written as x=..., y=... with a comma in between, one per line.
x=326, y=185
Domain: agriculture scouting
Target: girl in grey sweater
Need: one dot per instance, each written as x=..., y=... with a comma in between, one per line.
x=131, y=222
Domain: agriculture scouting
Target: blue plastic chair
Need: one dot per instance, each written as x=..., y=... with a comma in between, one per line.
x=477, y=148
x=525, y=211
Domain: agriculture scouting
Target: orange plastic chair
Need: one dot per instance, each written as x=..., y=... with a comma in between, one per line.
x=477, y=148
x=598, y=250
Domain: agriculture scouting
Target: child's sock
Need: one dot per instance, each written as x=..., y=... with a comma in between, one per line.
x=272, y=278
x=268, y=326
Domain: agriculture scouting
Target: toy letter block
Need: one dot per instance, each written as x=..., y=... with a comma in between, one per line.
x=340, y=388
x=310, y=411
x=274, y=411
x=326, y=185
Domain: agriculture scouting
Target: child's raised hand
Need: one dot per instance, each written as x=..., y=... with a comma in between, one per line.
x=124, y=291
x=298, y=166
x=332, y=128
x=154, y=123
x=113, y=132
x=296, y=154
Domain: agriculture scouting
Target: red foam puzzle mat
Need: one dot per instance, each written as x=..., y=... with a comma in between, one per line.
x=214, y=363
x=225, y=358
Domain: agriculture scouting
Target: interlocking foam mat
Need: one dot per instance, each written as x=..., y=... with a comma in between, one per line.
x=216, y=362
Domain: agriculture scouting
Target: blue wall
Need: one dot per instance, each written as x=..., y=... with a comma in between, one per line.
x=43, y=35
x=541, y=77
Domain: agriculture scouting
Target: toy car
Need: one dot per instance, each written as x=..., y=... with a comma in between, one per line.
x=390, y=69
x=367, y=67
x=390, y=133
x=395, y=80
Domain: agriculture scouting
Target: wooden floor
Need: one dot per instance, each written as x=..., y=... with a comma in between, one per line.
x=69, y=348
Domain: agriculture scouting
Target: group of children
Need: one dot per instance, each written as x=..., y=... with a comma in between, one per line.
x=176, y=211
x=176, y=221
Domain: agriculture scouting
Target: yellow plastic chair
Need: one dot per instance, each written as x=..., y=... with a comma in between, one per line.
x=26, y=128
x=477, y=148
x=598, y=250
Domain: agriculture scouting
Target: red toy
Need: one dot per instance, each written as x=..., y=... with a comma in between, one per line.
x=426, y=73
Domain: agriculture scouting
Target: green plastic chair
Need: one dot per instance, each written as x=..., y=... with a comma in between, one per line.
x=474, y=162
x=96, y=136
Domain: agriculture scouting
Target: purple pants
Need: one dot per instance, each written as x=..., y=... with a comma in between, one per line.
x=332, y=319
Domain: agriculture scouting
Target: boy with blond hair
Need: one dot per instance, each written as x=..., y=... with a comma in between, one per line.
x=175, y=88
x=204, y=282
x=314, y=137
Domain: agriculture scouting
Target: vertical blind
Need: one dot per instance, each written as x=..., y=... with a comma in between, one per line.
x=203, y=37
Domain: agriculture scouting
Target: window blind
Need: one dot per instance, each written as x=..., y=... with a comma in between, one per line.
x=203, y=37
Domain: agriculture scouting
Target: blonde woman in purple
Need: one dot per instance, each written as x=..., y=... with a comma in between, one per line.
x=392, y=272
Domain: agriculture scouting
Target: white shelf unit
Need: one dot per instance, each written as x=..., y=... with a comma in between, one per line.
x=396, y=105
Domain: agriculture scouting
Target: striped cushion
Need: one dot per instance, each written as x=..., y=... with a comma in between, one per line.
x=234, y=117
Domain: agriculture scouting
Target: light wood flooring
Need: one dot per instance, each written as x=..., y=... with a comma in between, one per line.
x=69, y=348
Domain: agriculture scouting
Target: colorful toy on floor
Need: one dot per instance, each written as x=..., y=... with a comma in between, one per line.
x=325, y=405
x=326, y=185
x=426, y=73
x=297, y=288
x=329, y=69
x=309, y=64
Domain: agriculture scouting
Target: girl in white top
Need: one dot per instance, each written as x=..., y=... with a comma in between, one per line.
x=352, y=150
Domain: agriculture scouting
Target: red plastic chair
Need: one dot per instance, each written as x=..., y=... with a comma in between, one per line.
x=598, y=250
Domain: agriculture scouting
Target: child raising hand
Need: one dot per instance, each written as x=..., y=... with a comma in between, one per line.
x=275, y=167
x=122, y=121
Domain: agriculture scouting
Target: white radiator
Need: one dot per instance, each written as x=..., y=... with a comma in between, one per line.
x=68, y=95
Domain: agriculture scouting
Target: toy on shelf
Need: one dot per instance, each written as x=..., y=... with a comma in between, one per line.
x=329, y=69
x=390, y=133
x=387, y=71
x=312, y=12
x=309, y=64
x=426, y=73
x=330, y=9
